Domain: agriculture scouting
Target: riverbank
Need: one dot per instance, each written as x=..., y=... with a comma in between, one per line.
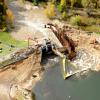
x=19, y=79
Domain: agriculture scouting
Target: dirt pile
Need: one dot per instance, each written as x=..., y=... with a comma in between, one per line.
x=23, y=74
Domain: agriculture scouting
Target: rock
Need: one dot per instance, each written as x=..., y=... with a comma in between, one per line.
x=93, y=40
x=76, y=43
x=98, y=40
x=97, y=47
x=4, y=92
x=28, y=7
x=13, y=90
x=97, y=67
x=35, y=7
x=19, y=93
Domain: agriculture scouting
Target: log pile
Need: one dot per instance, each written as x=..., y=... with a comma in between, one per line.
x=68, y=43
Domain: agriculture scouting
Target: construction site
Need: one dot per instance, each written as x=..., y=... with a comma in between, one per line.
x=46, y=43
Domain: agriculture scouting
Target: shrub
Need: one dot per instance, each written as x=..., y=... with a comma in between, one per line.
x=62, y=6
x=93, y=28
x=10, y=16
x=98, y=4
x=53, y=1
x=76, y=20
x=85, y=3
x=82, y=21
x=63, y=3
x=64, y=15
x=97, y=21
x=72, y=3
x=2, y=15
x=50, y=11
x=35, y=2
x=79, y=3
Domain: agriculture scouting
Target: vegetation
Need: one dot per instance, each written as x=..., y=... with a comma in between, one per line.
x=50, y=10
x=65, y=7
x=72, y=3
x=92, y=28
x=76, y=20
x=9, y=44
x=85, y=3
x=64, y=15
x=2, y=15
x=9, y=17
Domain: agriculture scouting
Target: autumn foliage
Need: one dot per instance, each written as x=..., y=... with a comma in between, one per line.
x=50, y=11
x=9, y=16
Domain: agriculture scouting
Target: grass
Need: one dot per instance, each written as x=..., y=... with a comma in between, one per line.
x=19, y=95
x=88, y=24
x=92, y=28
x=9, y=44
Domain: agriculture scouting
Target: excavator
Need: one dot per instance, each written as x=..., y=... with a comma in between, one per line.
x=67, y=43
x=67, y=52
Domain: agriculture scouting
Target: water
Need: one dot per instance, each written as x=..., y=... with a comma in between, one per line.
x=53, y=87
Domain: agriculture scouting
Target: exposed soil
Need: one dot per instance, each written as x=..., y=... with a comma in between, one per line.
x=28, y=20
x=90, y=42
x=23, y=74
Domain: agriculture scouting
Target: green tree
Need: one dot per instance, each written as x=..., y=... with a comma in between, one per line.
x=63, y=3
x=72, y=3
x=50, y=10
x=85, y=3
x=53, y=1
x=2, y=15
x=62, y=6
x=98, y=4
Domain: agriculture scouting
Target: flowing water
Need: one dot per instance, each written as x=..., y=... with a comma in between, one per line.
x=52, y=86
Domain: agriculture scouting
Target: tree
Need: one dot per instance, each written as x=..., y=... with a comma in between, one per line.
x=72, y=3
x=63, y=3
x=62, y=6
x=3, y=15
x=9, y=17
x=85, y=3
x=53, y=1
x=50, y=10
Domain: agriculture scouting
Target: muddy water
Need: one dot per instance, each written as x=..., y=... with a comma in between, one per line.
x=53, y=87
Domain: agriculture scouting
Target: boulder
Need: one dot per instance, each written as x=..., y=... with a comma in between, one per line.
x=98, y=67
x=97, y=47
x=93, y=40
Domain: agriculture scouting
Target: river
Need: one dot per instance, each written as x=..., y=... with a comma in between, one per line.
x=52, y=86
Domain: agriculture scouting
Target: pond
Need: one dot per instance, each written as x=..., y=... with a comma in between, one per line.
x=52, y=86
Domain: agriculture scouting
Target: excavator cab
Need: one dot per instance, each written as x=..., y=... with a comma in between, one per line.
x=47, y=48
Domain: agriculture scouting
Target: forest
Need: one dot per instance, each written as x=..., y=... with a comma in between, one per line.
x=83, y=14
